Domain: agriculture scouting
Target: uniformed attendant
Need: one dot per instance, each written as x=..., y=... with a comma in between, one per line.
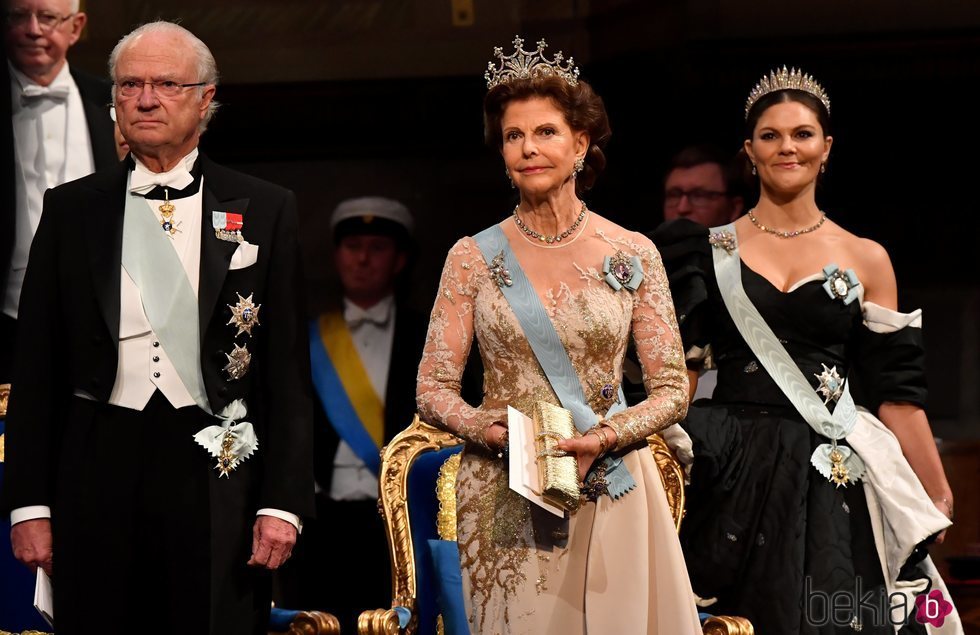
x=365, y=353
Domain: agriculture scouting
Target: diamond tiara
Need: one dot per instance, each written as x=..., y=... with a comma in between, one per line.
x=786, y=80
x=526, y=64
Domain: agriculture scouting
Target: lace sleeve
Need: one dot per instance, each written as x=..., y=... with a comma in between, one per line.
x=658, y=346
x=447, y=345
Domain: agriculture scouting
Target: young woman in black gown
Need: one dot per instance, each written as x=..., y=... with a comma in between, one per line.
x=767, y=536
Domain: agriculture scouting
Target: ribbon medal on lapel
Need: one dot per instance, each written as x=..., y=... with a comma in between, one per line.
x=227, y=226
x=622, y=271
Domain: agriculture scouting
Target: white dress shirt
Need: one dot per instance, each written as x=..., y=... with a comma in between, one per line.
x=51, y=147
x=373, y=332
x=143, y=365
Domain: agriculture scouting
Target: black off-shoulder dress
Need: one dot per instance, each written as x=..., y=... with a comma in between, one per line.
x=766, y=535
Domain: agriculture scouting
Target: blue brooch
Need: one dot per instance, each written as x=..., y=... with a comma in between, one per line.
x=622, y=271
x=840, y=285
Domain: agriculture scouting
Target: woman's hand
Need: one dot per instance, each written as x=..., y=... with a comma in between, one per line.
x=944, y=505
x=496, y=435
x=588, y=447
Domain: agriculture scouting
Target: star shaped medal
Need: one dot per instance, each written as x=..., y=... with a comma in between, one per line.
x=238, y=362
x=245, y=314
x=831, y=384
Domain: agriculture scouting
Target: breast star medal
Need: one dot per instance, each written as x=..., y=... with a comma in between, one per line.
x=167, y=215
x=831, y=384
x=238, y=362
x=245, y=314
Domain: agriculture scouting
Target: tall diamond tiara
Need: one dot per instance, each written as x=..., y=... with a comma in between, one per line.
x=523, y=64
x=783, y=79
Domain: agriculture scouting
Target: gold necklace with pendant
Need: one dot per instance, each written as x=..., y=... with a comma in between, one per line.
x=167, y=213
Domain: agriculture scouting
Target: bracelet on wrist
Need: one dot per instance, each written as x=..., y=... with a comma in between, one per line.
x=601, y=435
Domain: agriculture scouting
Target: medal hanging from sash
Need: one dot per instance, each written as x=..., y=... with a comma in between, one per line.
x=344, y=388
x=837, y=463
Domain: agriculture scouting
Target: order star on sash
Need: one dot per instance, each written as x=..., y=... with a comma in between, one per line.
x=245, y=314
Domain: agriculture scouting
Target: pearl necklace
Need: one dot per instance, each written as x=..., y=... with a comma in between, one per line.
x=787, y=234
x=550, y=239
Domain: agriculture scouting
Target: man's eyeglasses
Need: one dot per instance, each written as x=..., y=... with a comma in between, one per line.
x=166, y=88
x=46, y=20
x=696, y=197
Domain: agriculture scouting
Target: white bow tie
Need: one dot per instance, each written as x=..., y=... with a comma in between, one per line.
x=355, y=316
x=142, y=180
x=33, y=91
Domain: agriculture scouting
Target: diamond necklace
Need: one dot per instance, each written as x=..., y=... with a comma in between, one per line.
x=787, y=234
x=550, y=239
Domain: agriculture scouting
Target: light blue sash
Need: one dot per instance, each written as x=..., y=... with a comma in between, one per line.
x=550, y=352
x=168, y=299
x=780, y=366
x=339, y=409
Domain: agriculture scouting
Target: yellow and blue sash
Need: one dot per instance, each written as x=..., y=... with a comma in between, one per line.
x=353, y=407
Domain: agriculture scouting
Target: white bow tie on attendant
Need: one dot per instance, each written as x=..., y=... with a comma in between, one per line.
x=143, y=180
x=32, y=92
x=378, y=315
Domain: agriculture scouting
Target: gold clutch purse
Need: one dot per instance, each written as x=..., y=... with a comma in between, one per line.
x=557, y=471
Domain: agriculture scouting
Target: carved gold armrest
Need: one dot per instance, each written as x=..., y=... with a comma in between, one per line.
x=378, y=622
x=725, y=625
x=314, y=623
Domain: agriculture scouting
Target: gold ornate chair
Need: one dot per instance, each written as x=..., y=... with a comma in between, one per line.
x=411, y=575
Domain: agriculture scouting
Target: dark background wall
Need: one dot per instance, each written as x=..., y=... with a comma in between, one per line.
x=337, y=98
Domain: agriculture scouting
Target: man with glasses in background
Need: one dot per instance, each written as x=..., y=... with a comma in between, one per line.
x=54, y=127
x=159, y=436
x=701, y=186
x=59, y=130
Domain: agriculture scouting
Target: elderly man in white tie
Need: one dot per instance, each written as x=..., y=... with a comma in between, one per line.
x=365, y=355
x=55, y=128
x=159, y=435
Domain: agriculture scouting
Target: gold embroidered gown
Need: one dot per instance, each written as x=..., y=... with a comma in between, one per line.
x=612, y=566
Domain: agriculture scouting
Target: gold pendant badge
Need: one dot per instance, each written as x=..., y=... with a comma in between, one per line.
x=839, y=474
x=226, y=458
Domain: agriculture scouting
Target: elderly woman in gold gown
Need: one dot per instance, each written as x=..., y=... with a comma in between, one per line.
x=614, y=565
